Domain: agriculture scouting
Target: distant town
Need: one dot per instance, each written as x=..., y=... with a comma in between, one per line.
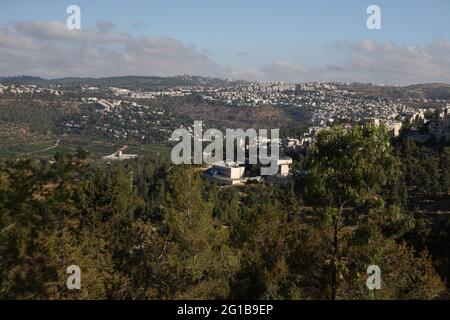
x=125, y=113
x=324, y=104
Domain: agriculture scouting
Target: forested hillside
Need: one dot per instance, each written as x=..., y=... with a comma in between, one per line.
x=146, y=229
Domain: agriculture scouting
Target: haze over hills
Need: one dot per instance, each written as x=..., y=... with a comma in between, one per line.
x=136, y=82
x=425, y=90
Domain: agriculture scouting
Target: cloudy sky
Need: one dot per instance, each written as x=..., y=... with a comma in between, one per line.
x=287, y=40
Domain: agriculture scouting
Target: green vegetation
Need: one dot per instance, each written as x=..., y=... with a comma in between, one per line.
x=146, y=229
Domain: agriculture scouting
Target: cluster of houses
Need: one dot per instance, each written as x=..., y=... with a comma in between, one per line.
x=439, y=125
x=225, y=173
x=29, y=89
x=423, y=128
x=232, y=173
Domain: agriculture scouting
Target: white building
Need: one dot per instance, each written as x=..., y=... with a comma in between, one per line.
x=440, y=124
x=226, y=173
x=290, y=142
x=119, y=155
x=394, y=128
x=283, y=165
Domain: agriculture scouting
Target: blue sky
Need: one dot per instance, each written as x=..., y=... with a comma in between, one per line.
x=251, y=34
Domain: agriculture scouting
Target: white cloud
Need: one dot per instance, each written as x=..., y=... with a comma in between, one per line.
x=389, y=62
x=368, y=61
x=105, y=25
x=49, y=49
x=277, y=70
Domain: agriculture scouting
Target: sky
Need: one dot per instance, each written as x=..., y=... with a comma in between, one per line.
x=283, y=40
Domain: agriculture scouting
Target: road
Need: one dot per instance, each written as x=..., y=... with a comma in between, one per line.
x=46, y=149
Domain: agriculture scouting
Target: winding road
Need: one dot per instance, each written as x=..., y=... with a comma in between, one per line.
x=46, y=149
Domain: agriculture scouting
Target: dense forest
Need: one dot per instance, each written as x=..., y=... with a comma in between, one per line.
x=147, y=229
